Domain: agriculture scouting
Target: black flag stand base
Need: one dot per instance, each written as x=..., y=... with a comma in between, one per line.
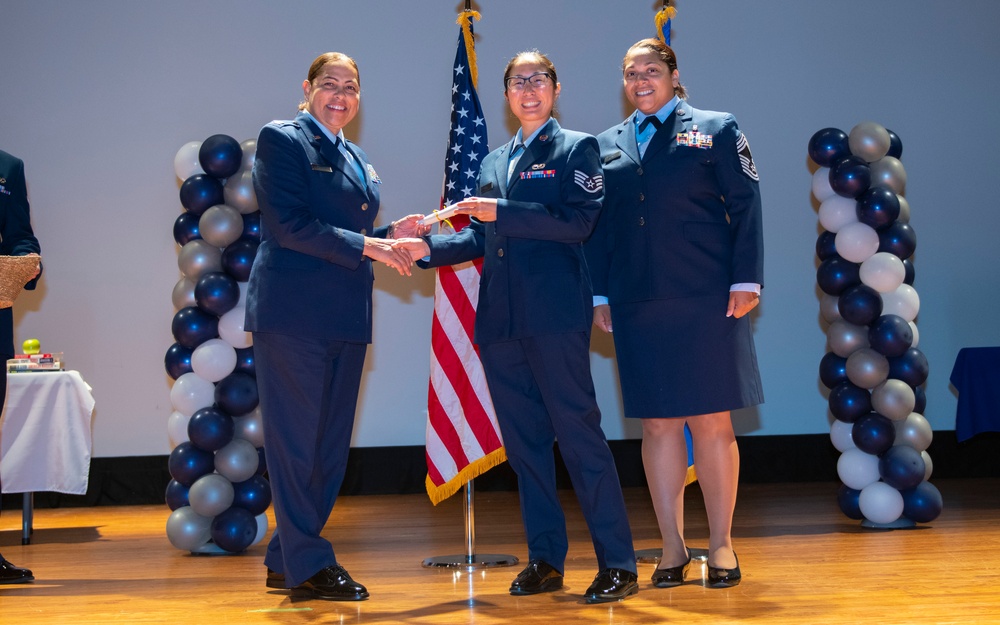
x=652, y=556
x=471, y=560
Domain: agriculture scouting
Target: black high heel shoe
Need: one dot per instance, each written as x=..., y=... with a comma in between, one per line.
x=724, y=578
x=671, y=576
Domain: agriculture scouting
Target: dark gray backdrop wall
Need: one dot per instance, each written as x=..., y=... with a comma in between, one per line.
x=97, y=97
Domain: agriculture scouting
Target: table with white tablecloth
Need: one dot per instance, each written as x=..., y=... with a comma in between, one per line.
x=45, y=436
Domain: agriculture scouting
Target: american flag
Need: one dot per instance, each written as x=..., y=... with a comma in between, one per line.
x=463, y=438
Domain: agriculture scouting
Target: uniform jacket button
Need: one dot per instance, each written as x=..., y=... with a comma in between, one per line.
x=642, y=221
x=642, y=197
x=364, y=231
x=364, y=206
x=500, y=252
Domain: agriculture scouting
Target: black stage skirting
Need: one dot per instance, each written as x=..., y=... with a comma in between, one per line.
x=141, y=480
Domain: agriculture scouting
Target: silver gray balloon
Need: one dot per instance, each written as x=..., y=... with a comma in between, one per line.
x=220, y=225
x=249, y=147
x=211, y=495
x=867, y=368
x=889, y=172
x=904, y=210
x=238, y=192
x=846, y=338
x=199, y=257
x=914, y=431
x=188, y=530
x=183, y=295
x=250, y=427
x=237, y=461
x=829, y=307
x=928, y=465
x=869, y=140
x=894, y=399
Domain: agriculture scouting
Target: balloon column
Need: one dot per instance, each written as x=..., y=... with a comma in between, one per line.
x=874, y=370
x=217, y=494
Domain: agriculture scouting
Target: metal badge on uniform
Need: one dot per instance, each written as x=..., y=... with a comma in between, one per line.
x=323, y=168
x=694, y=139
x=538, y=166
x=544, y=173
x=614, y=156
x=373, y=175
x=543, y=137
x=746, y=159
x=486, y=187
x=590, y=184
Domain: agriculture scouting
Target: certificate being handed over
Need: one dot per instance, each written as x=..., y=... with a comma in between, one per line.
x=445, y=213
x=15, y=272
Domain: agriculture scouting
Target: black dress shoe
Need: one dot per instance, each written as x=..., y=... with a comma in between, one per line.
x=10, y=574
x=539, y=576
x=332, y=584
x=275, y=580
x=724, y=578
x=671, y=576
x=612, y=585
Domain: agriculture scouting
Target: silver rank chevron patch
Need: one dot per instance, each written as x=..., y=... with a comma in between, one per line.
x=746, y=159
x=590, y=184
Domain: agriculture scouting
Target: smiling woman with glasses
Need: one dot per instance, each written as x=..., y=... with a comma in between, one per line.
x=539, y=198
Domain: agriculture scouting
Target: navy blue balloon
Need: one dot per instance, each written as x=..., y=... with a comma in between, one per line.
x=220, y=156
x=825, y=245
x=201, y=192
x=251, y=225
x=901, y=467
x=873, y=433
x=910, y=272
x=237, y=258
x=186, y=228
x=895, y=145
x=234, y=529
x=187, y=463
x=860, y=305
x=178, y=360
x=828, y=146
x=832, y=370
x=245, y=362
x=898, y=239
x=878, y=207
x=890, y=335
x=236, y=393
x=210, y=429
x=836, y=274
x=849, y=500
x=911, y=367
x=920, y=397
x=176, y=495
x=216, y=292
x=253, y=495
x=922, y=503
x=261, y=461
x=849, y=402
x=850, y=176
x=193, y=326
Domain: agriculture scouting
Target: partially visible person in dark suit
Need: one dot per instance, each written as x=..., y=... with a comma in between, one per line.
x=16, y=239
x=538, y=200
x=677, y=263
x=309, y=306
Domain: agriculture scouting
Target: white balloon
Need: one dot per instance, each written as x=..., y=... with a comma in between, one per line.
x=857, y=469
x=883, y=272
x=177, y=428
x=213, y=360
x=261, y=528
x=840, y=435
x=186, y=163
x=856, y=242
x=902, y=301
x=191, y=393
x=231, y=328
x=836, y=212
x=928, y=465
x=250, y=427
x=916, y=334
x=880, y=503
x=821, y=188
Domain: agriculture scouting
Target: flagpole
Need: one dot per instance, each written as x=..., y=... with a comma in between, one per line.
x=470, y=560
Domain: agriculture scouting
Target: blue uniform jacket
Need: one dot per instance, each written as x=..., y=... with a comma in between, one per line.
x=16, y=237
x=685, y=219
x=535, y=280
x=309, y=277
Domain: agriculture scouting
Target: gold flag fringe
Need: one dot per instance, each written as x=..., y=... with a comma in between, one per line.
x=476, y=468
x=465, y=21
x=664, y=14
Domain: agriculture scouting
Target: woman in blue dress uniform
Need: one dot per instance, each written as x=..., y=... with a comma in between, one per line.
x=309, y=306
x=676, y=263
x=539, y=199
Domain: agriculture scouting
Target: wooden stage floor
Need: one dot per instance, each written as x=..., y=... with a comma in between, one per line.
x=803, y=562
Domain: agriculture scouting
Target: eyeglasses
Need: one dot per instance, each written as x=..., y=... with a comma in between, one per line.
x=538, y=80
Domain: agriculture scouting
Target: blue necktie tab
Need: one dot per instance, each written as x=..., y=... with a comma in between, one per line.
x=652, y=119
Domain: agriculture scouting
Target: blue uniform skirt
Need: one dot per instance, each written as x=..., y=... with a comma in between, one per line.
x=683, y=357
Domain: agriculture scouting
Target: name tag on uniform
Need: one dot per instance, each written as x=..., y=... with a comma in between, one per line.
x=544, y=173
x=324, y=168
x=486, y=187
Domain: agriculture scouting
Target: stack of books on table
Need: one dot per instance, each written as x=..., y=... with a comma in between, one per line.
x=35, y=362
